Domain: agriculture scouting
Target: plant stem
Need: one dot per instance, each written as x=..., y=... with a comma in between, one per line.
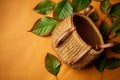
x=111, y=19
x=101, y=76
x=57, y=78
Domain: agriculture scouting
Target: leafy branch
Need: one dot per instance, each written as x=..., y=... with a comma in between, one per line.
x=61, y=10
x=108, y=33
x=44, y=27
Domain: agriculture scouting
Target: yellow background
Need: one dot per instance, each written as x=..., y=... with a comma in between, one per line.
x=22, y=53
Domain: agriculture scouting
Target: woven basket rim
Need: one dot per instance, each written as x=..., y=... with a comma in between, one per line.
x=92, y=24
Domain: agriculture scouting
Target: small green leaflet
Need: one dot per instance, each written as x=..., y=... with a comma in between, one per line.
x=62, y=10
x=44, y=7
x=115, y=10
x=113, y=63
x=79, y=5
x=52, y=64
x=104, y=29
x=116, y=48
x=115, y=28
x=44, y=26
x=100, y=62
x=93, y=16
x=105, y=6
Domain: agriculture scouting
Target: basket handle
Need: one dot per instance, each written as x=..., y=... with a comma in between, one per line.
x=81, y=54
x=87, y=10
x=67, y=33
x=106, y=45
x=64, y=36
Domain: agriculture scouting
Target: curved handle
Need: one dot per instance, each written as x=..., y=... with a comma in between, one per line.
x=80, y=55
x=107, y=45
x=67, y=33
x=87, y=10
x=64, y=36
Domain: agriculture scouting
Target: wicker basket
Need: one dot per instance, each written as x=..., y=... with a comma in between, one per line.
x=75, y=40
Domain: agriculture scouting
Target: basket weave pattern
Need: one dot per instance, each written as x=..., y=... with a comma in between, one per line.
x=73, y=45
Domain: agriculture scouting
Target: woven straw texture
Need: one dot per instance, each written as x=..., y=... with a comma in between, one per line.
x=74, y=44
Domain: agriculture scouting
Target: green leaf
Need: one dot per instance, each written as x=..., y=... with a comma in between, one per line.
x=115, y=10
x=62, y=10
x=113, y=63
x=100, y=63
x=79, y=5
x=44, y=26
x=44, y=7
x=93, y=16
x=105, y=6
x=116, y=48
x=104, y=29
x=115, y=28
x=52, y=64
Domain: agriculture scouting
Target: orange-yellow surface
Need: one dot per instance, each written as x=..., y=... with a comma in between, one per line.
x=22, y=53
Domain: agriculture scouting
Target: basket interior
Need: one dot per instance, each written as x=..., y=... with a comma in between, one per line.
x=86, y=31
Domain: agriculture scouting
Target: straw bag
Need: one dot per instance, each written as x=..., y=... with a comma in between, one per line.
x=77, y=41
